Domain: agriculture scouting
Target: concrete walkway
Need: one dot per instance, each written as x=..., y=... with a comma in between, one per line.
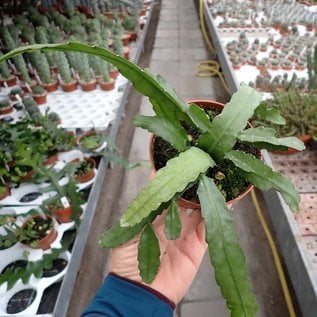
x=178, y=48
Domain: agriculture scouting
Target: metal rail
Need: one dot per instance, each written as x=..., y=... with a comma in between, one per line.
x=290, y=240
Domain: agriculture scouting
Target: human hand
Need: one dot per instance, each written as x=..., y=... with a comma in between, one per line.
x=180, y=259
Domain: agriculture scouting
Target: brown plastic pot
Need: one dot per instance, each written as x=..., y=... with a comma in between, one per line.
x=40, y=99
x=183, y=203
x=85, y=134
x=27, y=177
x=125, y=39
x=51, y=87
x=63, y=215
x=89, y=175
x=51, y=160
x=68, y=87
x=44, y=243
x=133, y=35
x=32, y=85
x=6, y=193
x=89, y=86
x=126, y=52
x=11, y=81
x=6, y=110
x=108, y=85
x=114, y=73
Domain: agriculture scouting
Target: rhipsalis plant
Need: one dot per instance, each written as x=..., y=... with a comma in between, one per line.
x=216, y=143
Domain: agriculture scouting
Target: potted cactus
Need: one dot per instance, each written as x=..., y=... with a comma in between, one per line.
x=6, y=76
x=39, y=94
x=66, y=80
x=217, y=141
x=36, y=232
x=86, y=80
x=42, y=67
x=19, y=63
x=5, y=106
x=17, y=91
x=300, y=113
x=84, y=170
x=130, y=24
x=4, y=189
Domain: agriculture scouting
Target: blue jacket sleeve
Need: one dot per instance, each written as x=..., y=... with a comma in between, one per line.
x=118, y=297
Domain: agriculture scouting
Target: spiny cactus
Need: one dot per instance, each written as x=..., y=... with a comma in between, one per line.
x=41, y=37
x=56, y=35
x=8, y=39
x=83, y=68
x=29, y=35
x=63, y=66
x=312, y=69
x=40, y=63
x=4, y=69
x=117, y=45
x=18, y=60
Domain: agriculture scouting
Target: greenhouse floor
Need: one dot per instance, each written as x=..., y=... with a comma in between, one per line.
x=178, y=48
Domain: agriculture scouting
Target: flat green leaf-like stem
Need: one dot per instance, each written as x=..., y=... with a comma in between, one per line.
x=222, y=135
x=148, y=254
x=267, y=136
x=263, y=177
x=155, y=87
x=270, y=114
x=168, y=181
x=173, y=225
x=225, y=252
x=117, y=235
x=172, y=133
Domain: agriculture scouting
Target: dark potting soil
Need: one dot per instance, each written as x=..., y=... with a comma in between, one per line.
x=14, y=265
x=225, y=175
x=20, y=301
x=38, y=225
x=49, y=298
x=58, y=266
x=30, y=197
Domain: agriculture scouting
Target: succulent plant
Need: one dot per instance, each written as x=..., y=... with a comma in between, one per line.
x=63, y=67
x=129, y=23
x=38, y=90
x=4, y=70
x=16, y=91
x=4, y=103
x=40, y=63
x=117, y=45
x=41, y=37
x=312, y=69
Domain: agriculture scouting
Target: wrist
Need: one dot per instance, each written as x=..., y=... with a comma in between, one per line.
x=150, y=289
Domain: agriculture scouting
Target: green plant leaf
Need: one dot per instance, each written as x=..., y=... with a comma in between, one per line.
x=263, y=177
x=267, y=136
x=173, y=225
x=269, y=114
x=166, y=102
x=117, y=235
x=150, y=85
x=148, y=254
x=36, y=268
x=222, y=135
x=172, y=133
x=199, y=116
x=225, y=252
x=168, y=181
